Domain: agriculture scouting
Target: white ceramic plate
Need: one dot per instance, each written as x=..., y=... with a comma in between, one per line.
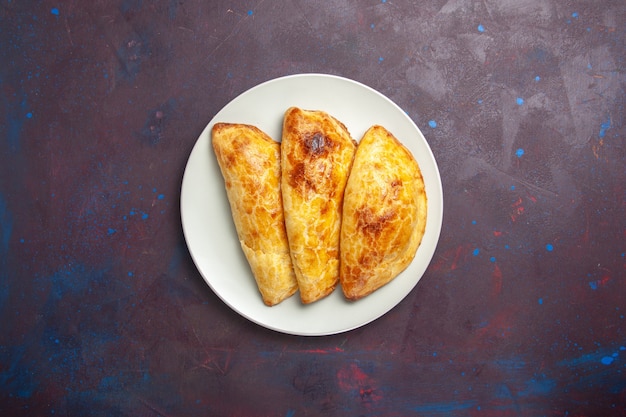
x=210, y=232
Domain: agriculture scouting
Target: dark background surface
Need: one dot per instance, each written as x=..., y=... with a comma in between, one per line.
x=521, y=312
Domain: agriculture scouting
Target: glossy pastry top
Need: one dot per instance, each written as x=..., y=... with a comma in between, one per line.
x=384, y=214
x=250, y=164
x=317, y=154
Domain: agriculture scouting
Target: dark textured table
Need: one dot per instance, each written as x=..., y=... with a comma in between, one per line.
x=520, y=313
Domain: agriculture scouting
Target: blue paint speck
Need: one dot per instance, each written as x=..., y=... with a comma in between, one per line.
x=537, y=78
x=481, y=28
x=479, y=101
x=519, y=153
x=111, y=231
x=607, y=360
x=432, y=123
x=130, y=274
x=540, y=301
x=519, y=101
x=250, y=12
x=29, y=115
x=473, y=221
x=575, y=15
x=291, y=413
x=512, y=187
x=381, y=59
x=593, y=285
x=476, y=252
x=604, y=127
x=492, y=259
x=549, y=247
x=54, y=11
x=144, y=216
x=372, y=26
x=161, y=197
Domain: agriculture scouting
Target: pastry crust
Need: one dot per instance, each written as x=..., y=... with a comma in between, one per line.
x=384, y=214
x=316, y=156
x=250, y=164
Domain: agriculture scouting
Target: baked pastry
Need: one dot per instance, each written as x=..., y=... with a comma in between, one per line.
x=316, y=156
x=250, y=163
x=384, y=214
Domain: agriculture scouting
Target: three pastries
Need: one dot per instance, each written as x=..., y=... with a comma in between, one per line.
x=317, y=209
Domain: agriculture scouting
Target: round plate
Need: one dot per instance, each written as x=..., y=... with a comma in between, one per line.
x=208, y=226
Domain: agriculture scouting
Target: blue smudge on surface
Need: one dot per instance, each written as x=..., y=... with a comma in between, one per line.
x=549, y=247
x=519, y=153
x=130, y=5
x=6, y=227
x=17, y=377
x=432, y=124
x=55, y=11
x=607, y=360
x=480, y=28
x=154, y=129
x=131, y=56
x=604, y=127
x=444, y=408
x=519, y=101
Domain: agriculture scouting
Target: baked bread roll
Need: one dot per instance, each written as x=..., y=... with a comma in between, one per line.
x=316, y=156
x=384, y=214
x=250, y=164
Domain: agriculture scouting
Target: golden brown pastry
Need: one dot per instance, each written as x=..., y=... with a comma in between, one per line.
x=316, y=155
x=250, y=164
x=384, y=214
